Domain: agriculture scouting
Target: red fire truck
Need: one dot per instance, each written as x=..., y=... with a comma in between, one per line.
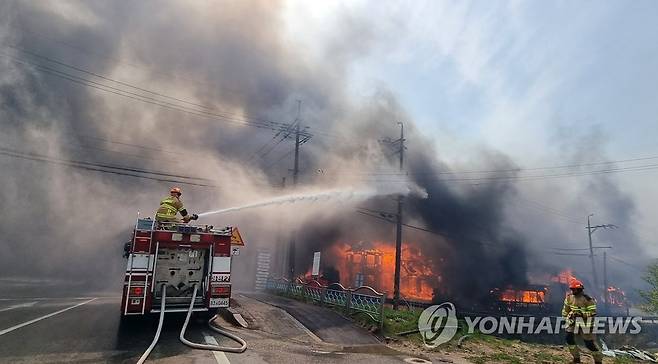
x=180, y=261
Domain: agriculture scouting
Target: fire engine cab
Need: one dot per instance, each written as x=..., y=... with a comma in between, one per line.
x=179, y=261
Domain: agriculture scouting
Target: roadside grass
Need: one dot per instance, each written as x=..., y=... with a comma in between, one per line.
x=546, y=357
x=477, y=347
x=396, y=322
x=498, y=358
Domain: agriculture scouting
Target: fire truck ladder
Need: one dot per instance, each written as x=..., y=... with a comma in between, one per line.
x=148, y=265
x=241, y=349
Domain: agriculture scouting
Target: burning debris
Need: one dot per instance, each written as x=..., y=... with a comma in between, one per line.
x=616, y=297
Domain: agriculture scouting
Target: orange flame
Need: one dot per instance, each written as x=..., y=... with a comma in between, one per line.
x=616, y=296
x=564, y=277
x=522, y=296
x=373, y=264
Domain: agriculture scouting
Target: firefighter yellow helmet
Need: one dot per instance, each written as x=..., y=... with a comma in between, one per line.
x=176, y=190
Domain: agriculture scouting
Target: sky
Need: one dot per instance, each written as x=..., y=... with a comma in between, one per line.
x=480, y=70
x=535, y=80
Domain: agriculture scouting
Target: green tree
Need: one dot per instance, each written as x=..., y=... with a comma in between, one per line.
x=651, y=295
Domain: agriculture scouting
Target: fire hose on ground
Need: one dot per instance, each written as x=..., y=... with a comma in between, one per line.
x=243, y=344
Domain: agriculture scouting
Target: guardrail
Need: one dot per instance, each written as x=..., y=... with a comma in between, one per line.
x=364, y=299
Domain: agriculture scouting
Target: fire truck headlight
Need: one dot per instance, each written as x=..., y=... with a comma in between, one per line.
x=176, y=237
x=195, y=238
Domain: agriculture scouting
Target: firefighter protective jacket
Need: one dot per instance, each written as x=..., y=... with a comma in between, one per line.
x=169, y=207
x=579, y=306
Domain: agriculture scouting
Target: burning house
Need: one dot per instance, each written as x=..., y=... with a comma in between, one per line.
x=527, y=299
x=372, y=263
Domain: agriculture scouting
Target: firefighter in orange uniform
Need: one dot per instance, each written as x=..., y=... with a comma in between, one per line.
x=580, y=310
x=170, y=206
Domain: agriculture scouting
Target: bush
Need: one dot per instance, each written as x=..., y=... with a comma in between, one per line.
x=651, y=296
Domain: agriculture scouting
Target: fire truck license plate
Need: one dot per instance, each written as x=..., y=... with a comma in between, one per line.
x=221, y=278
x=219, y=302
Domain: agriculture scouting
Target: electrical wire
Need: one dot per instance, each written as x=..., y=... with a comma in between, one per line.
x=649, y=167
x=618, y=260
x=262, y=154
x=377, y=214
x=122, y=61
x=285, y=136
x=547, y=209
x=151, y=100
x=110, y=141
x=93, y=167
x=111, y=166
x=520, y=169
x=156, y=93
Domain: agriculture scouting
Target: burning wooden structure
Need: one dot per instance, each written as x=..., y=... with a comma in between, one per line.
x=527, y=299
x=372, y=263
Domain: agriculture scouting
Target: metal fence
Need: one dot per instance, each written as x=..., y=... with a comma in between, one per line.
x=364, y=299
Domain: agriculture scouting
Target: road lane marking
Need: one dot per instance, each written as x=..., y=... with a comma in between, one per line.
x=46, y=298
x=26, y=304
x=43, y=317
x=220, y=357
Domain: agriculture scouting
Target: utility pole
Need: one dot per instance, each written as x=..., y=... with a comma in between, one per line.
x=606, y=298
x=295, y=171
x=295, y=174
x=398, y=229
x=590, y=230
x=591, y=252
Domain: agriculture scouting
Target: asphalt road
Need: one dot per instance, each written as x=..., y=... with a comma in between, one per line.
x=88, y=330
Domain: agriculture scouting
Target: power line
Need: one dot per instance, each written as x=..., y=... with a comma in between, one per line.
x=164, y=177
x=258, y=151
x=285, y=136
x=105, y=55
x=582, y=249
x=133, y=95
x=262, y=154
x=129, y=169
x=156, y=93
x=388, y=217
x=122, y=61
x=84, y=146
x=520, y=169
x=572, y=254
x=541, y=207
x=275, y=126
x=128, y=144
x=618, y=260
x=648, y=167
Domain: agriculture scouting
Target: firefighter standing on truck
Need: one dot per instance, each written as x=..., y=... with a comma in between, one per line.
x=170, y=206
x=580, y=310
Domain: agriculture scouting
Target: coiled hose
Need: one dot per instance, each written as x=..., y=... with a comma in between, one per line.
x=243, y=344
